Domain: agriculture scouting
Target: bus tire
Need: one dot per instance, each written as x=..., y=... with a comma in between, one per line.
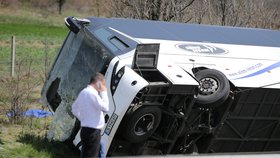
x=214, y=88
x=142, y=123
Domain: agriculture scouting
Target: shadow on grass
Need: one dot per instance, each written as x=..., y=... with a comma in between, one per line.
x=1, y=142
x=55, y=148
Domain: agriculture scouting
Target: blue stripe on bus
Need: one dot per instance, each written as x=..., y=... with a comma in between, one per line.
x=273, y=66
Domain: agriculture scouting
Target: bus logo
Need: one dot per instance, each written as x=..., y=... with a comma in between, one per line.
x=202, y=49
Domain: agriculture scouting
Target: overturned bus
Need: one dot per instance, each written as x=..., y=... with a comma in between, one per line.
x=173, y=88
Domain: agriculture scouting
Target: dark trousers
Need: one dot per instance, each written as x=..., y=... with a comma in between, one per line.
x=90, y=138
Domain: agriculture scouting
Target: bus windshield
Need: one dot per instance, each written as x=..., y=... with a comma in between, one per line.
x=80, y=56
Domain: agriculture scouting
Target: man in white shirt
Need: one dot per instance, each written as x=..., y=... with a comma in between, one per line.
x=89, y=108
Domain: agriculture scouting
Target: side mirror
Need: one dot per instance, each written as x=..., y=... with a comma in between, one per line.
x=75, y=24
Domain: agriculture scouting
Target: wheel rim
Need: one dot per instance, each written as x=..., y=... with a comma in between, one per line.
x=208, y=86
x=144, y=124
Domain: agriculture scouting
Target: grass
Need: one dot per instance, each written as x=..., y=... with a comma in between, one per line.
x=28, y=140
x=51, y=149
x=36, y=37
x=38, y=40
x=30, y=27
x=31, y=30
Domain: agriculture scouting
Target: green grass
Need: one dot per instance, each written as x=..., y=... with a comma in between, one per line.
x=31, y=30
x=21, y=141
x=37, y=39
x=25, y=150
x=29, y=27
x=22, y=19
x=42, y=147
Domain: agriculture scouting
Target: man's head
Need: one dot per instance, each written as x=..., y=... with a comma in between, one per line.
x=97, y=77
x=98, y=82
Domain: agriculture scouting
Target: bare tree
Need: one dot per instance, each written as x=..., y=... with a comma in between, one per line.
x=265, y=16
x=60, y=4
x=165, y=10
x=219, y=11
x=16, y=91
x=246, y=13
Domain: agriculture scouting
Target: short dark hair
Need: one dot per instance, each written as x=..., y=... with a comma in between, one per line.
x=96, y=77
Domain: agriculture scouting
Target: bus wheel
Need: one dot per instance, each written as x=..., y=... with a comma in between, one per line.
x=142, y=123
x=214, y=88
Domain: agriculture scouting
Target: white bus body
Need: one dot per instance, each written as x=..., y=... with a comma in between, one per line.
x=173, y=88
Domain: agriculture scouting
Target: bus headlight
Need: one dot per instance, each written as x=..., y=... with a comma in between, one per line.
x=116, y=77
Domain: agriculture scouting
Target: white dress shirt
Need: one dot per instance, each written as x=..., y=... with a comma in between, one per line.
x=90, y=106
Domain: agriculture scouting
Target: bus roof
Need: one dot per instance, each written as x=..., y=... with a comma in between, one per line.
x=148, y=29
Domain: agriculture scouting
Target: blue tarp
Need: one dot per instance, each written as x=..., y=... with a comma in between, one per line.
x=37, y=113
x=33, y=113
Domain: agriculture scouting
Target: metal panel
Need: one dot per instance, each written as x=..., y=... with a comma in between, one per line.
x=189, y=32
x=253, y=125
